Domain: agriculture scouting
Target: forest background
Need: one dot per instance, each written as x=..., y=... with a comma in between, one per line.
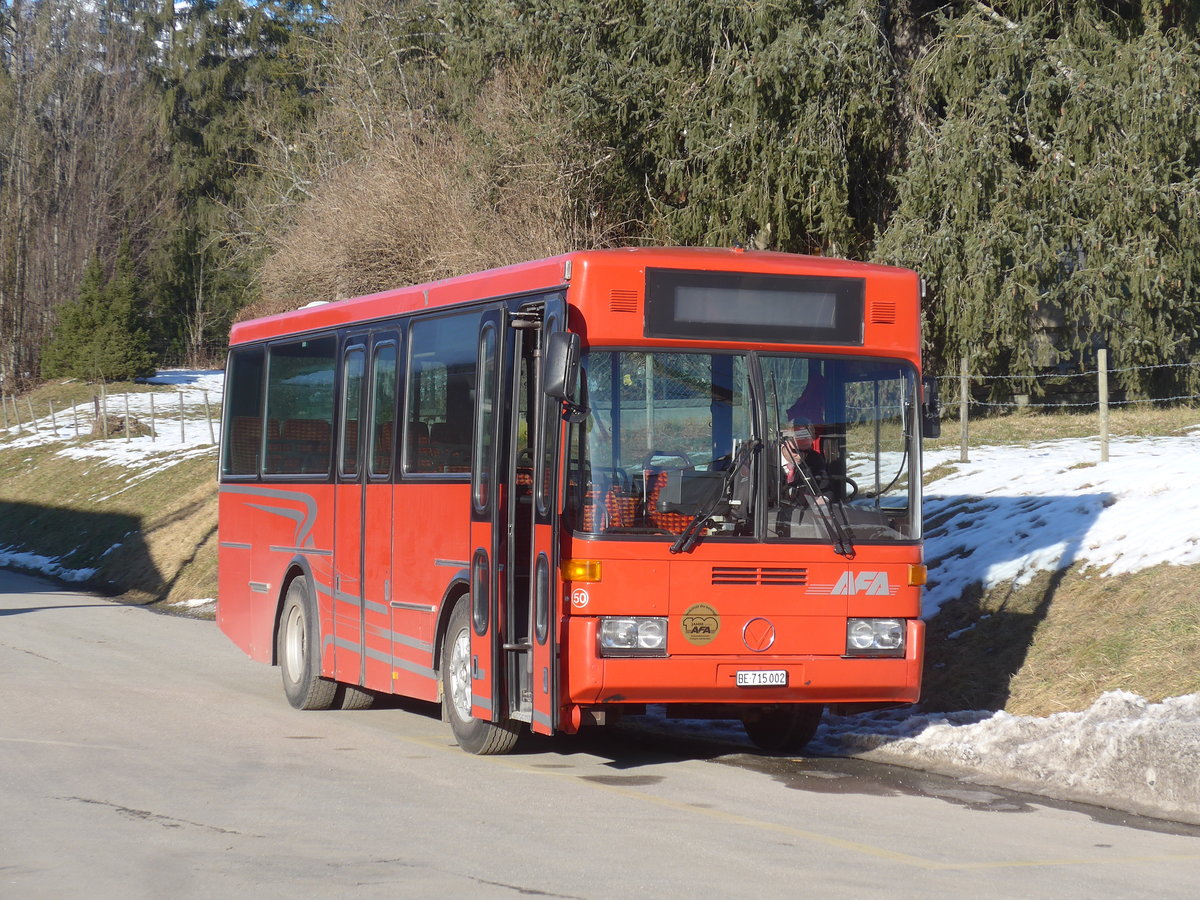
x=168, y=167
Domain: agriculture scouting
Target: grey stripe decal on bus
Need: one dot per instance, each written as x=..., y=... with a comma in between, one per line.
x=391, y=637
x=308, y=551
x=415, y=607
x=415, y=668
x=305, y=519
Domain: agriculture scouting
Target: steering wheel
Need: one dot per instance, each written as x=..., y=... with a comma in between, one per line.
x=851, y=489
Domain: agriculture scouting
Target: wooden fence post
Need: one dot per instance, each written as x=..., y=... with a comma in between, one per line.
x=1102, y=378
x=127, y=417
x=4, y=406
x=212, y=437
x=153, y=426
x=964, y=401
x=182, y=432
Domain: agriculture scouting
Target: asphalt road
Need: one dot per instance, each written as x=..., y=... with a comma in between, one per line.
x=142, y=755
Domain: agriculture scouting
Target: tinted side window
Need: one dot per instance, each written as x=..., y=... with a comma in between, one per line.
x=352, y=380
x=441, y=393
x=300, y=407
x=241, y=444
x=383, y=406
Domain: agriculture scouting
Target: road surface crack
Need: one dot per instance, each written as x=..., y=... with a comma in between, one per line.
x=144, y=815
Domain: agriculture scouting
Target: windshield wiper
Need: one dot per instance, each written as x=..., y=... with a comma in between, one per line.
x=691, y=534
x=837, y=526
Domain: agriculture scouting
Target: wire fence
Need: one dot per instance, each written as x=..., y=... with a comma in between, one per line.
x=950, y=383
x=959, y=395
x=109, y=416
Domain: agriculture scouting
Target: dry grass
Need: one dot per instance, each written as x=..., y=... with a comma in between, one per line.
x=1024, y=428
x=151, y=540
x=1061, y=641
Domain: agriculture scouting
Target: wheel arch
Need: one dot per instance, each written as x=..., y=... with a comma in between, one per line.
x=458, y=588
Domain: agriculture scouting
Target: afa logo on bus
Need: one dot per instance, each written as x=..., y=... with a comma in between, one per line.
x=873, y=584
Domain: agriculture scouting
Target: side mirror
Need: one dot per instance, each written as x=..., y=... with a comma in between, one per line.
x=561, y=366
x=931, y=408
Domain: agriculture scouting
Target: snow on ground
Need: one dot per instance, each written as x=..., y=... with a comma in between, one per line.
x=186, y=425
x=1014, y=511
x=1007, y=514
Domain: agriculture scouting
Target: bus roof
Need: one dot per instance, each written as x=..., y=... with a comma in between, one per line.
x=546, y=274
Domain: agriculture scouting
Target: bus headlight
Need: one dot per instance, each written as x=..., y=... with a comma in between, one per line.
x=633, y=636
x=875, y=637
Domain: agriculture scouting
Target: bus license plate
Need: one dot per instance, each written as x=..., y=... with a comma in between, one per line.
x=763, y=678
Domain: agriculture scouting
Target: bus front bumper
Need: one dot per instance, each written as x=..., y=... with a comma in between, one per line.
x=698, y=678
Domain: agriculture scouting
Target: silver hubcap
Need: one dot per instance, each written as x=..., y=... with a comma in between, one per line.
x=460, y=675
x=293, y=644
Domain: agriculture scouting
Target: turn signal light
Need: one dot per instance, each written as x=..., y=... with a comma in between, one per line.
x=917, y=575
x=580, y=570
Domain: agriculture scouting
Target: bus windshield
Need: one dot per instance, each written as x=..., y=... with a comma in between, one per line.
x=772, y=447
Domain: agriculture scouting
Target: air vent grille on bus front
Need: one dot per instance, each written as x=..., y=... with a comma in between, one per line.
x=883, y=312
x=623, y=301
x=759, y=576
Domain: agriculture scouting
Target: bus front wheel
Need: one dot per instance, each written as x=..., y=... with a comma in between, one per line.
x=787, y=727
x=298, y=651
x=472, y=734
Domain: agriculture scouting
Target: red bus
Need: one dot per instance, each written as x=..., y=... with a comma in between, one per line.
x=552, y=493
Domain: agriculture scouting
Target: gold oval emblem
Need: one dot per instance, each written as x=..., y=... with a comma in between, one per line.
x=700, y=624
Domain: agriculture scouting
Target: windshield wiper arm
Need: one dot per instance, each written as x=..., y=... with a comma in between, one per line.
x=691, y=534
x=836, y=529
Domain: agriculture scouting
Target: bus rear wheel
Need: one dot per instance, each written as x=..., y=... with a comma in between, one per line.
x=785, y=728
x=297, y=650
x=472, y=734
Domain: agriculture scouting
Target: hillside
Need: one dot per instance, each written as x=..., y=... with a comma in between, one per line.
x=1053, y=578
x=134, y=518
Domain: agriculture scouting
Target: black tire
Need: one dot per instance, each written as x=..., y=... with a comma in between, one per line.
x=298, y=651
x=351, y=697
x=786, y=728
x=473, y=735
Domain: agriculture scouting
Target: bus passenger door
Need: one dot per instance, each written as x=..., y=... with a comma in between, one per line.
x=489, y=541
x=545, y=586
x=376, y=465
x=347, y=604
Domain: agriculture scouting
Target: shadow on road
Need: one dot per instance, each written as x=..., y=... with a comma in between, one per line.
x=78, y=548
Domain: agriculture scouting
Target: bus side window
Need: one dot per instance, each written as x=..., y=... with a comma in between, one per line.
x=300, y=404
x=383, y=408
x=441, y=386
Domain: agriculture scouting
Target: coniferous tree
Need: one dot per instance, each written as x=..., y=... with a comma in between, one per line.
x=225, y=55
x=719, y=123
x=100, y=335
x=1052, y=189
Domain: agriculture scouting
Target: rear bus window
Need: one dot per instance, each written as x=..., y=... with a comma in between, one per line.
x=241, y=447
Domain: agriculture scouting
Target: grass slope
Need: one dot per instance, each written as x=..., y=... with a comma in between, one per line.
x=1049, y=646
x=150, y=535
